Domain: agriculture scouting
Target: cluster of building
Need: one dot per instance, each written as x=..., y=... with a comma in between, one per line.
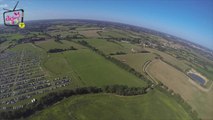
x=21, y=78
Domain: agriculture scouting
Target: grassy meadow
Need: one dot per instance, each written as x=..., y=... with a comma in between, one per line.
x=152, y=106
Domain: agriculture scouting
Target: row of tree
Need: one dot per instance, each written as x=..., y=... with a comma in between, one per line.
x=118, y=53
x=56, y=50
x=55, y=97
x=125, y=90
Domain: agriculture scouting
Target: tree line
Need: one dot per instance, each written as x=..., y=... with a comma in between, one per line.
x=118, y=53
x=56, y=50
x=55, y=97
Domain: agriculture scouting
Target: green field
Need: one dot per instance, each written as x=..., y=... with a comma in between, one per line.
x=112, y=32
x=152, y=106
x=89, y=67
x=51, y=44
x=112, y=46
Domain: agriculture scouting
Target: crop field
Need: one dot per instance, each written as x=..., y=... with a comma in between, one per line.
x=151, y=106
x=180, y=83
x=136, y=60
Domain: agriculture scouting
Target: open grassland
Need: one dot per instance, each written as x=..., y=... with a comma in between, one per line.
x=63, y=33
x=11, y=40
x=12, y=36
x=200, y=100
x=136, y=60
x=36, y=34
x=90, y=68
x=89, y=33
x=152, y=106
x=63, y=44
x=112, y=46
x=27, y=47
x=58, y=27
x=87, y=28
x=96, y=70
x=112, y=32
x=106, y=46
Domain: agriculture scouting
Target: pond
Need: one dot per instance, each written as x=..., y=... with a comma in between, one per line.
x=197, y=78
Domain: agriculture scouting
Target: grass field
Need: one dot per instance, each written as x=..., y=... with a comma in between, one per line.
x=116, y=33
x=200, y=100
x=51, y=44
x=96, y=70
x=152, y=106
x=12, y=36
x=89, y=33
x=112, y=47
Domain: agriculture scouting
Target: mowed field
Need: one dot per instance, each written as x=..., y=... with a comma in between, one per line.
x=136, y=60
x=200, y=100
x=152, y=106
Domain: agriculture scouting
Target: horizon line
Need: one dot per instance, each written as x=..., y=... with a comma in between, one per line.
x=123, y=24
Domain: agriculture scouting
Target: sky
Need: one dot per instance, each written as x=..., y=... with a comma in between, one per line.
x=189, y=19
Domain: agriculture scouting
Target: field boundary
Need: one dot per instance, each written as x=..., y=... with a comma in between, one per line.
x=145, y=67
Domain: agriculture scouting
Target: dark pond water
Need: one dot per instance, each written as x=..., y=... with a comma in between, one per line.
x=197, y=78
